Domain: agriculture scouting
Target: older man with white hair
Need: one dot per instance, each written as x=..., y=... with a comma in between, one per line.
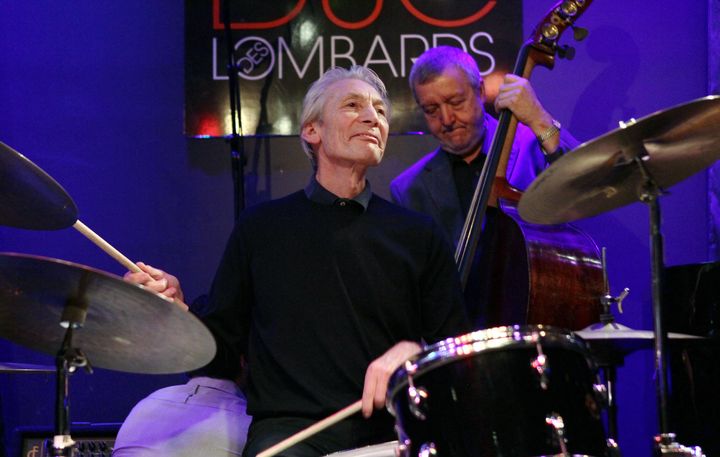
x=330, y=289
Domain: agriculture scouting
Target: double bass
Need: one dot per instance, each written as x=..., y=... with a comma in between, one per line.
x=528, y=273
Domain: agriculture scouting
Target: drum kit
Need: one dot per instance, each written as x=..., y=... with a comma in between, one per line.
x=519, y=391
x=82, y=316
x=527, y=390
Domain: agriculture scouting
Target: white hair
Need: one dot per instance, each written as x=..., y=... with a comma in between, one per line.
x=318, y=92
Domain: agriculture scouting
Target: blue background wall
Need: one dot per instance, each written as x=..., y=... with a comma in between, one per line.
x=92, y=92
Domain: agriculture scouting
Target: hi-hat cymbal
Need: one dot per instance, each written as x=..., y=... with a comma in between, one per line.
x=603, y=174
x=25, y=368
x=29, y=197
x=126, y=327
x=622, y=340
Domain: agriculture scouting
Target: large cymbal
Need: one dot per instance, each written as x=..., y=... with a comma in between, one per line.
x=602, y=174
x=29, y=197
x=126, y=327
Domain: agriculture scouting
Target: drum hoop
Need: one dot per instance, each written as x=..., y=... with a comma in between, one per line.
x=485, y=341
x=563, y=455
x=387, y=449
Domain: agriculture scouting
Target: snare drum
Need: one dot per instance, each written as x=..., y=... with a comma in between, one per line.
x=519, y=391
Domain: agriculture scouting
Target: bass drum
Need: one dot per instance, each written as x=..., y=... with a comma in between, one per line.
x=516, y=391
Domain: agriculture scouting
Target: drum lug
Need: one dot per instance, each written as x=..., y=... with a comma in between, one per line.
x=403, y=448
x=665, y=445
x=539, y=364
x=416, y=396
x=557, y=423
x=601, y=394
x=613, y=450
x=427, y=450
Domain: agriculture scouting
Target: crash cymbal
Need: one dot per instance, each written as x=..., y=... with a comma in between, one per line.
x=603, y=174
x=621, y=339
x=29, y=197
x=23, y=368
x=126, y=327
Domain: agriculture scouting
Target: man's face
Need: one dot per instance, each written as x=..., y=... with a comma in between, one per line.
x=453, y=111
x=353, y=129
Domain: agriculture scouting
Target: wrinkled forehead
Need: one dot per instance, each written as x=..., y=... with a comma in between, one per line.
x=352, y=89
x=447, y=84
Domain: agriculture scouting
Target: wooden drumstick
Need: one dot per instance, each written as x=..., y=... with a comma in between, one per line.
x=313, y=429
x=105, y=246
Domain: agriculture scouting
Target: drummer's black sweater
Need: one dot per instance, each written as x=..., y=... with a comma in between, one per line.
x=312, y=293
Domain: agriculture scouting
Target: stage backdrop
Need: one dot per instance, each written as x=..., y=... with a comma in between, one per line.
x=280, y=47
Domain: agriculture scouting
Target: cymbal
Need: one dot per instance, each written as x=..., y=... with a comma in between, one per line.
x=603, y=174
x=15, y=368
x=126, y=327
x=29, y=197
x=621, y=339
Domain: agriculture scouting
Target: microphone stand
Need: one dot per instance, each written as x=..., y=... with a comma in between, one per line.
x=237, y=145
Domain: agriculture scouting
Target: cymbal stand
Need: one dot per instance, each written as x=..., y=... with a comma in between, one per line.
x=68, y=359
x=665, y=444
x=607, y=361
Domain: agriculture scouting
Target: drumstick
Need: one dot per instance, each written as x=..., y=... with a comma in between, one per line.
x=313, y=429
x=105, y=246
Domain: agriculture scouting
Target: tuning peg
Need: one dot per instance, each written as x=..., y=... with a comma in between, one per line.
x=566, y=52
x=579, y=33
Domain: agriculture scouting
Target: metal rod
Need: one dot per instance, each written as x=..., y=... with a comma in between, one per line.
x=62, y=442
x=649, y=195
x=610, y=381
x=660, y=332
x=237, y=145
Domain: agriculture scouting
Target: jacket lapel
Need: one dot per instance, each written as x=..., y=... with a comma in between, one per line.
x=438, y=183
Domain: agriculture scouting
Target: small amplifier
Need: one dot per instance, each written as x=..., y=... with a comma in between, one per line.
x=91, y=440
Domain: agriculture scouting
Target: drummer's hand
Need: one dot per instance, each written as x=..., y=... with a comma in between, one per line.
x=517, y=95
x=160, y=282
x=379, y=372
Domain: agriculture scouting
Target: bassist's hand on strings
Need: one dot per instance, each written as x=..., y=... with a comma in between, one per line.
x=517, y=95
